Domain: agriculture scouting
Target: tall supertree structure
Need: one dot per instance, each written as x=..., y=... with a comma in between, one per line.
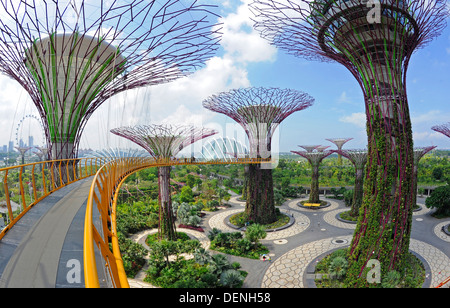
x=72, y=56
x=374, y=40
x=22, y=151
x=339, y=142
x=315, y=159
x=359, y=160
x=443, y=129
x=164, y=142
x=259, y=111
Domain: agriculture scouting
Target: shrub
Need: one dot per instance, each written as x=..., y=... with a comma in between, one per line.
x=338, y=267
x=391, y=280
x=231, y=278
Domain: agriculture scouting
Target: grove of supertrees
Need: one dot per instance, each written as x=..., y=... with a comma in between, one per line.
x=164, y=142
x=359, y=160
x=72, y=56
x=259, y=111
x=314, y=158
x=375, y=43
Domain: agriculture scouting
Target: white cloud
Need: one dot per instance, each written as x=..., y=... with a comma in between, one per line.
x=358, y=119
x=180, y=101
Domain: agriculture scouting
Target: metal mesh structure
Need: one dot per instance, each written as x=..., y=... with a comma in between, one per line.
x=374, y=40
x=259, y=111
x=164, y=142
x=339, y=142
x=314, y=158
x=443, y=129
x=71, y=56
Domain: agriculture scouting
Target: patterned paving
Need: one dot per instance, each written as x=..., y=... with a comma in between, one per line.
x=289, y=269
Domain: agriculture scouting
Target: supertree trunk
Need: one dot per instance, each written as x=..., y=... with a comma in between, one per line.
x=245, y=185
x=314, y=194
x=260, y=207
x=166, y=229
x=384, y=226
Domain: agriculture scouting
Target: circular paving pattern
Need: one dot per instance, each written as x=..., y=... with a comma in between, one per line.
x=293, y=204
x=330, y=218
x=441, y=234
x=289, y=270
x=301, y=224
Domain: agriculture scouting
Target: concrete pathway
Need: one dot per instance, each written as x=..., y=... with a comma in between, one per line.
x=45, y=248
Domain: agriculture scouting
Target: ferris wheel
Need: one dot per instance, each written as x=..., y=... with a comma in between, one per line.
x=20, y=129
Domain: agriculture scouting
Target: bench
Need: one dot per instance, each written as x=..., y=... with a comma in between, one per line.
x=312, y=204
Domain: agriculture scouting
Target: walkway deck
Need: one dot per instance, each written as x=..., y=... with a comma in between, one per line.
x=45, y=248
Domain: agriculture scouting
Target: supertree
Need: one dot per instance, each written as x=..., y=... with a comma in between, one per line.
x=443, y=129
x=374, y=40
x=164, y=142
x=22, y=151
x=359, y=160
x=259, y=111
x=339, y=142
x=315, y=159
x=309, y=148
x=72, y=56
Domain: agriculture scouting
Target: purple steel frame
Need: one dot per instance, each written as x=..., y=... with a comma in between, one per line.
x=443, y=129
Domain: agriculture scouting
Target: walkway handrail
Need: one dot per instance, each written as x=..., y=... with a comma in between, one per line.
x=25, y=185
x=443, y=283
x=100, y=233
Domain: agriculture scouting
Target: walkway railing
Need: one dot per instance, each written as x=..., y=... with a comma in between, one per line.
x=25, y=185
x=103, y=265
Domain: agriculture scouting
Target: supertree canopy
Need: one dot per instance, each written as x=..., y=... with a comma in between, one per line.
x=164, y=142
x=443, y=129
x=259, y=111
x=359, y=160
x=375, y=43
x=314, y=158
x=71, y=56
x=339, y=142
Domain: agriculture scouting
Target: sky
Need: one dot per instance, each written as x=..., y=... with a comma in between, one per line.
x=244, y=59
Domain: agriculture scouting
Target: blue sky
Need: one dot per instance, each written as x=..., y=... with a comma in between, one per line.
x=244, y=60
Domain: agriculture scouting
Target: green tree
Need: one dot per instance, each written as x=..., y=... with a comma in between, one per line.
x=186, y=194
x=438, y=173
x=440, y=199
x=190, y=180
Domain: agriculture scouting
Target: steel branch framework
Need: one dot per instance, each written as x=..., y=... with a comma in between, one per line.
x=375, y=43
x=339, y=142
x=259, y=111
x=71, y=56
x=443, y=129
x=164, y=142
